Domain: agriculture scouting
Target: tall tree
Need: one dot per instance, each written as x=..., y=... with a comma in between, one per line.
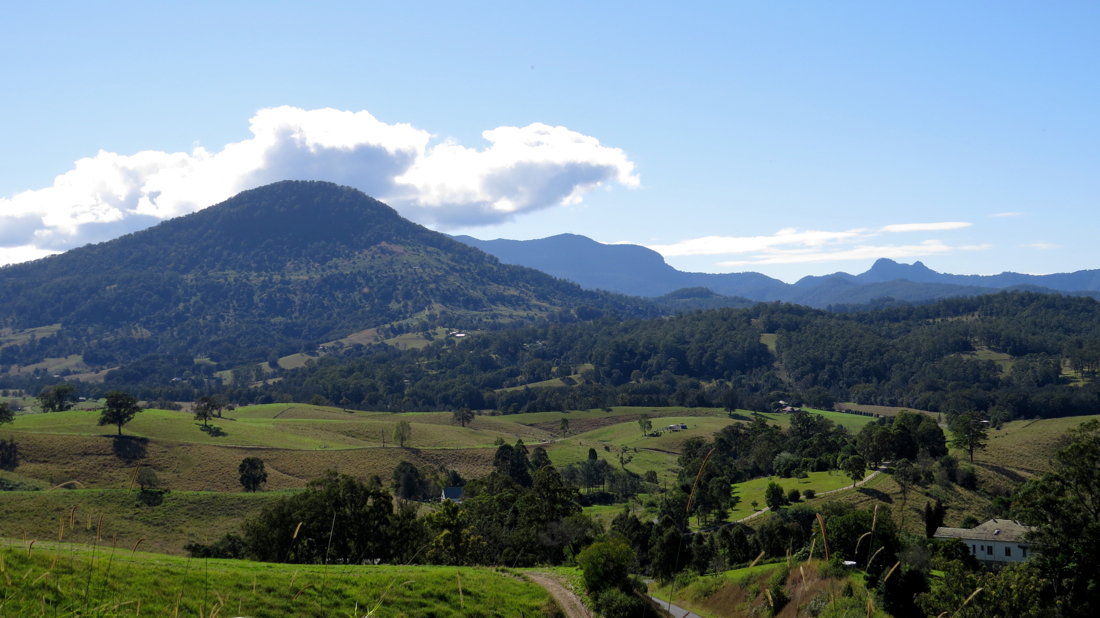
x=1064, y=507
x=253, y=476
x=854, y=467
x=6, y=413
x=402, y=433
x=463, y=416
x=203, y=410
x=564, y=426
x=645, y=424
x=120, y=408
x=969, y=433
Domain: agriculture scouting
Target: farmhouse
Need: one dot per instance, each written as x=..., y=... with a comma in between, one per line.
x=676, y=427
x=454, y=494
x=995, y=541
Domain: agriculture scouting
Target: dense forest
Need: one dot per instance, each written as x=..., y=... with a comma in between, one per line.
x=919, y=357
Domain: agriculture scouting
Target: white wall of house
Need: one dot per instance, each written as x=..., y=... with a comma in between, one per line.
x=998, y=551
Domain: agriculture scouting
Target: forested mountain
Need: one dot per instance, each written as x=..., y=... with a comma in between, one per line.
x=636, y=270
x=270, y=272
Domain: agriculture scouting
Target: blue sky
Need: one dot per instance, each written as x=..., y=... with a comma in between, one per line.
x=789, y=139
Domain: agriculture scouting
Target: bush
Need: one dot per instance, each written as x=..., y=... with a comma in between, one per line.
x=966, y=478
x=773, y=496
x=793, y=495
x=809, y=494
x=615, y=603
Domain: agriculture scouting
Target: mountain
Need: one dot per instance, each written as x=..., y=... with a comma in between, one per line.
x=636, y=270
x=270, y=272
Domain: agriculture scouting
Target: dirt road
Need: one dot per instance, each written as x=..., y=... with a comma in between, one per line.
x=558, y=589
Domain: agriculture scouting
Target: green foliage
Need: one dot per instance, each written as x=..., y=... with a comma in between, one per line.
x=774, y=496
x=402, y=433
x=6, y=413
x=645, y=424
x=463, y=416
x=969, y=433
x=1064, y=507
x=147, y=478
x=794, y=495
x=1018, y=590
x=296, y=528
x=606, y=564
x=252, y=474
x=120, y=408
x=854, y=467
x=57, y=398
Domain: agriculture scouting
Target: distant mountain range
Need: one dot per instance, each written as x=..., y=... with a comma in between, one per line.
x=639, y=271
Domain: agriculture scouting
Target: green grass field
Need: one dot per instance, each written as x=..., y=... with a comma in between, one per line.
x=749, y=491
x=82, y=579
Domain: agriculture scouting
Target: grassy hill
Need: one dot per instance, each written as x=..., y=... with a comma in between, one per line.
x=76, y=577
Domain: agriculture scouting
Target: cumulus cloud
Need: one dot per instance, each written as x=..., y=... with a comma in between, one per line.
x=524, y=169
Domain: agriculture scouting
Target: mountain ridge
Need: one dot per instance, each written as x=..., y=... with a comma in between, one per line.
x=640, y=271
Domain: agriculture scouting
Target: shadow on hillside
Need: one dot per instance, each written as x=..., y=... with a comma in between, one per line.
x=1011, y=475
x=875, y=494
x=130, y=448
x=9, y=455
x=213, y=430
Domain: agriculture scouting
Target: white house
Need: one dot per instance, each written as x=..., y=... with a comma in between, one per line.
x=676, y=427
x=995, y=541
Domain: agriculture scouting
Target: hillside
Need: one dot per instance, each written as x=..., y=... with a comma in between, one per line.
x=639, y=271
x=270, y=272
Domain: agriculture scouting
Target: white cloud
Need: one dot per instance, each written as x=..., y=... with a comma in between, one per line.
x=1007, y=214
x=792, y=246
x=724, y=245
x=925, y=227
x=1042, y=245
x=862, y=252
x=524, y=169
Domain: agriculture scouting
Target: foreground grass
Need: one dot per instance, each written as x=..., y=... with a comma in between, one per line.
x=68, y=580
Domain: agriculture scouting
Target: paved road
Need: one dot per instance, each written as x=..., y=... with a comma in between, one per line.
x=676, y=611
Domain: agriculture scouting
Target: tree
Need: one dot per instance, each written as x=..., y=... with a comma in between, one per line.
x=854, y=467
x=539, y=458
x=204, y=410
x=402, y=433
x=645, y=424
x=605, y=564
x=905, y=475
x=252, y=473
x=729, y=400
x=933, y=517
x=121, y=408
x=407, y=481
x=969, y=433
x=564, y=426
x=774, y=496
x=463, y=416
x=6, y=413
x=453, y=539
x=57, y=398
x=1064, y=507
x=147, y=478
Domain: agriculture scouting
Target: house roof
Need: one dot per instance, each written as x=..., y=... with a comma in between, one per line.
x=1005, y=530
x=452, y=493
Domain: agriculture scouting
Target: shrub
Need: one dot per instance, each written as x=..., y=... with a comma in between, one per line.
x=794, y=495
x=615, y=603
x=773, y=496
x=605, y=564
x=809, y=494
x=966, y=478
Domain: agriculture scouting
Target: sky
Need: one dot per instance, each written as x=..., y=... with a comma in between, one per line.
x=790, y=139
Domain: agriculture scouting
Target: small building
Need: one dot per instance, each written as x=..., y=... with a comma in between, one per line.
x=676, y=427
x=454, y=494
x=997, y=541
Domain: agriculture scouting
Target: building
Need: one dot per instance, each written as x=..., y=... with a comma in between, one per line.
x=996, y=541
x=676, y=427
x=454, y=494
